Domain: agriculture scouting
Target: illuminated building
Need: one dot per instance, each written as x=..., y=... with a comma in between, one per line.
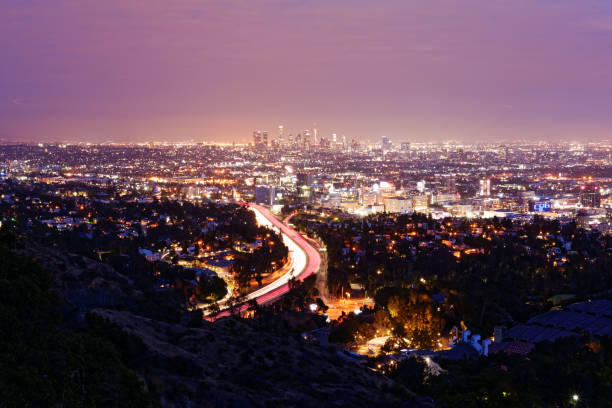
x=257, y=139
x=590, y=196
x=421, y=202
x=306, y=141
x=385, y=143
x=485, y=187
x=305, y=179
x=451, y=185
x=281, y=139
x=265, y=194
x=399, y=205
x=304, y=184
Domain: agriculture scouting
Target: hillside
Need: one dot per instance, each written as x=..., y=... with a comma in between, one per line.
x=229, y=363
x=95, y=336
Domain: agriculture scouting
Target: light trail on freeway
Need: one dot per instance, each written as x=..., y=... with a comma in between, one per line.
x=305, y=259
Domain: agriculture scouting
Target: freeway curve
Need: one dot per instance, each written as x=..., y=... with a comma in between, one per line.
x=305, y=259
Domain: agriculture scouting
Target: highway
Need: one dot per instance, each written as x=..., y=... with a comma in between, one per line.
x=304, y=258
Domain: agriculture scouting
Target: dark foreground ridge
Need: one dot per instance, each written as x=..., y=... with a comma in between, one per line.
x=77, y=333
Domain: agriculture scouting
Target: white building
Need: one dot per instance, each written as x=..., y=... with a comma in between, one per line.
x=399, y=205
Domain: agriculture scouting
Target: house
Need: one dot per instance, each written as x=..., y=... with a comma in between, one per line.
x=220, y=266
x=200, y=272
x=150, y=255
x=357, y=290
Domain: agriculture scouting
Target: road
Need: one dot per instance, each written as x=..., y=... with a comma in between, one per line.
x=305, y=259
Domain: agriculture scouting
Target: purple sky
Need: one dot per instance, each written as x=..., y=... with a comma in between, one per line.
x=128, y=70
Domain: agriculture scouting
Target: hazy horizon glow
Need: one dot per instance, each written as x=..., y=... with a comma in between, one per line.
x=128, y=70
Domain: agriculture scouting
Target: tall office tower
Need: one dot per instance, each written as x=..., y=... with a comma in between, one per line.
x=405, y=147
x=265, y=194
x=281, y=138
x=385, y=143
x=305, y=179
x=503, y=152
x=485, y=187
x=298, y=140
x=265, y=139
x=420, y=186
x=257, y=139
x=324, y=143
x=451, y=185
x=460, y=154
x=344, y=146
x=590, y=196
x=316, y=139
x=307, y=139
x=304, y=184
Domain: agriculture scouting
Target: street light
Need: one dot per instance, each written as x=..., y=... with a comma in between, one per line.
x=575, y=398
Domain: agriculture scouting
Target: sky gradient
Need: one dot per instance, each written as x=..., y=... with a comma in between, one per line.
x=469, y=70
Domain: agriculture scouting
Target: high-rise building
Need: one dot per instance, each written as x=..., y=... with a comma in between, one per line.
x=385, y=143
x=281, y=139
x=371, y=198
x=420, y=186
x=305, y=179
x=265, y=194
x=398, y=205
x=451, y=185
x=590, y=196
x=323, y=143
x=485, y=187
x=420, y=202
x=307, y=142
x=257, y=139
x=265, y=139
x=304, y=184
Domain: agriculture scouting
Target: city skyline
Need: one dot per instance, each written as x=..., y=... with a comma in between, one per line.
x=412, y=71
x=306, y=203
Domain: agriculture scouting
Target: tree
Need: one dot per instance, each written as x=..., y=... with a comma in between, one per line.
x=213, y=308
x=211, y=289
x=410, y=372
